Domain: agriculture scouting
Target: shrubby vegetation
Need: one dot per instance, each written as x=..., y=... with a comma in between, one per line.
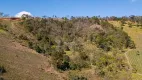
x=77, y=78
x=55, y=33
x=54, y=36
x=2, y=69
x=1, y=78
x=3, y=26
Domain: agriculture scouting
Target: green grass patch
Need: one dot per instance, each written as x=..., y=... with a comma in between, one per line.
x=68, y=52
x=135, y=58
x=136, y=76
x=2, y=31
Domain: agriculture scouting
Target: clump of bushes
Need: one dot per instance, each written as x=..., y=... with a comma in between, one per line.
x=77, y=77
x=2, y=69
x=130, y=25
x=1, y=78
x=3, y=26
x=54, y=37
x=115, y=38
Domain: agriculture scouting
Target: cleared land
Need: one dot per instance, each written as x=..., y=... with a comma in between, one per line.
x=19, y=60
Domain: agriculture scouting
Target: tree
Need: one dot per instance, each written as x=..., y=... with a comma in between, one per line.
x=25, y=16
x=1, y=14
x=38, y=49
x=130, y=25
x=6, y=15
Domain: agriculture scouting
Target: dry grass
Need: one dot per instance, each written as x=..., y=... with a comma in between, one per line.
x=136, y=76
x=88, y=73
x=135, y=59
x=135, y=56
x=136, y=34
x=115, y=23
x=22, y=63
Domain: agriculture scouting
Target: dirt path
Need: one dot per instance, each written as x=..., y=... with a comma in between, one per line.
x=128, y=61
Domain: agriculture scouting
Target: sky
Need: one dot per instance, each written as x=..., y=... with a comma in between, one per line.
x=62, y=8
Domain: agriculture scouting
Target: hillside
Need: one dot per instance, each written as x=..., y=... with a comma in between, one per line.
x=79, y=48
x=22, y=63
x=134, y=55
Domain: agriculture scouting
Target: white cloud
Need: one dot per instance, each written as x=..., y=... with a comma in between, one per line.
x=23, y=12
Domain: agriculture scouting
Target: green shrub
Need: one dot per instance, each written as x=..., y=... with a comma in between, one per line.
x=39, y=37
x=23, y=37
x=83, y=56
x=1, y=78
x=38, y=49
x=73, y=66
x=134, y=70
x=66, y=48
x=79, y=64
x=4, y=26
x=131, y=45
x=130, y=25
x=75, y=77
x=2, y=69
x=64, y=64
x=30, y=45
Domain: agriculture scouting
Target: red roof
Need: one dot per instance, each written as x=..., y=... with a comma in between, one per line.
x=12, y=18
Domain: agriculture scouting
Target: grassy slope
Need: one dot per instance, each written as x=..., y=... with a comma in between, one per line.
x=22, y=63
x=136, y=34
